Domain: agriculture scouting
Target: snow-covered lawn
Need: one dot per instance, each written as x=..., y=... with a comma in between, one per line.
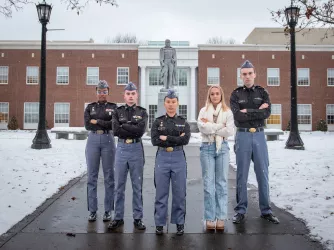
x=28, y=176
x=302, y=182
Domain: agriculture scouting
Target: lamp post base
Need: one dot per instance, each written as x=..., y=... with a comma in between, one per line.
x=41, y=140
x=294, y=142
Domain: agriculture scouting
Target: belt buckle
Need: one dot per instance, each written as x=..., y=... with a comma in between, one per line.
x=99, y=132
x=252, y=130
x=170, y=149
x=128, y=141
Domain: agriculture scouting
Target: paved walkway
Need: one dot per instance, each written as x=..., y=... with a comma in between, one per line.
x=66, y=212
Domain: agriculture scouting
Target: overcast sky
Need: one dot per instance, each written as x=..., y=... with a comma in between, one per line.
x=183, y=20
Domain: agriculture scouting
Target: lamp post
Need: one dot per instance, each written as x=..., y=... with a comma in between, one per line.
x=294, y=141
x=42, y=140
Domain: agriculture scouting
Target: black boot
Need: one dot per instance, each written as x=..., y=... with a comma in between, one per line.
x=139, y=224
x=107, y=216
x=271, y=218
x=180, y=229
x=238, y=218
x=92, y=216
x=159, y=230
x=115, y=224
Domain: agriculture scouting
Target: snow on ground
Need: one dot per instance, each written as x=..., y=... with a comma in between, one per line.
x=302, y=182
x=29, y=176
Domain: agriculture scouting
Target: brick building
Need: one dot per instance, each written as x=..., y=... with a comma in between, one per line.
x=73, y=69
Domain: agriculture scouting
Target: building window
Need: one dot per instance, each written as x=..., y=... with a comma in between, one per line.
x=183, y=111
x=272, y=77
x=62, y=113
x=4, y=112
x=304, y=112
x=240, y=82
x=152, y=110
x=153, y=77
x=32, y=75
x=93, y=75
x=31, y=112
x=276, y=113
x=182, y=77
x=303, y=77
x=330, y=77
x=63, y=75
x=122, y=75
x=213, y=76
x=3, y=75
x=330, y=113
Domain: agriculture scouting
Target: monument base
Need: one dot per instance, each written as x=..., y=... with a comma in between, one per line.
x=193, y=126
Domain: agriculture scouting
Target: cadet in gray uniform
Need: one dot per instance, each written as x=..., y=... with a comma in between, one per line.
x=100, y=145
x=170, y=133
x=129, y=124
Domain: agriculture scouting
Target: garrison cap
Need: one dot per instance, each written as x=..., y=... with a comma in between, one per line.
x=102, y=84
x=247, y=65
x=130, y=87
x=171, y=94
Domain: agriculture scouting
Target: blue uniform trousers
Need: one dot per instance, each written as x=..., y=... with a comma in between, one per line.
x=252, y=146
x=129, y=157
x=170, y=167
x=100, y=147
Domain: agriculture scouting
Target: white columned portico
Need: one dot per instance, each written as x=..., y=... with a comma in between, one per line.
x=193, y=97
x=143, y=86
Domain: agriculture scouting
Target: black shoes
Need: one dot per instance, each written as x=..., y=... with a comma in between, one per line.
x=271, y=218
x=238, y=218
x=159, y=230
x=180, y=229
x=139, y=224
x=107, y=216
x=92, y=216
x=115, y=224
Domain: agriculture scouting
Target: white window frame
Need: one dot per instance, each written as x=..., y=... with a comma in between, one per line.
x=88, y=81
x=56, y=124
x=279, y=108
x=63, y=75
x=215, y=79
x=3, y=71
x=308, y=77
x=186, y=110
x=332, y=76
x=270, y=76
x=118, y=75
x=240, y=82
x=179, y=70
x=30, y=125
x=156, y=72
x=304, y=127
x=27, y=71
x=3, y=124
x=329, y=125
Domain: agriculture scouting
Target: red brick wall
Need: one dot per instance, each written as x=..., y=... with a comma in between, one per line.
x=318, y=93
x=77, y=92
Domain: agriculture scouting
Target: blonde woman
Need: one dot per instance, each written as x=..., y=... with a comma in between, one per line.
x=216, y=124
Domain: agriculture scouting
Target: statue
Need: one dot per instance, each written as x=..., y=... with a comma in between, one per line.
x=168, y=66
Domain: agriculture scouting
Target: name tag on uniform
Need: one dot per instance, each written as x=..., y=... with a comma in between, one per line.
x=180, y=125
x=109, y=110
x=137, y=117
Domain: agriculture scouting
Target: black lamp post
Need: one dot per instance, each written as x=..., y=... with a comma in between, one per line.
x=42, y=140
x=294, y=141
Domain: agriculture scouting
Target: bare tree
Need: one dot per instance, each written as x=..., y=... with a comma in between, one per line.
x=126, y=38
x=312, y=14
x=7, y=6
x=220, y=40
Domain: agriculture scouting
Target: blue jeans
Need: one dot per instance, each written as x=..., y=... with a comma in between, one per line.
x=215, y=178
x=252, y=146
